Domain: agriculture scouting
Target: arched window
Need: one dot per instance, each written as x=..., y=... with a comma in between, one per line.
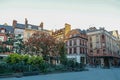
x=29, y=27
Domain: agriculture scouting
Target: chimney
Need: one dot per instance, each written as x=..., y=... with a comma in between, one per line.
x=14, y=24
x=26, y=23
x=67, y=25
x=41, y=25
x=67, y=28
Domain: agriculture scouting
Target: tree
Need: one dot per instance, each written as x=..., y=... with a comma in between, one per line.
x=8, y=44
x=41, y=43
x=18, y=44
x=62, y=52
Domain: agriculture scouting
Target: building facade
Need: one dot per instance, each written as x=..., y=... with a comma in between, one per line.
x=24, y=31
x=117, y=35
x=76, y=44
x=61, y=33
x=103, y=48
x=31, y=29
x=6, y=37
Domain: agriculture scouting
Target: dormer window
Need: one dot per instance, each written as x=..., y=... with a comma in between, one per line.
x=3, y=31
x=9, y=32
x=39, y=28
x=29, y=27
x=74, y=35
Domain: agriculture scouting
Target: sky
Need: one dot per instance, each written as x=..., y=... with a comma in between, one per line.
x=54, y=14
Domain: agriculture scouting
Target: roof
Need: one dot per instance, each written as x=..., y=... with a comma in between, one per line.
x=9, y=29
x=81, y=31
x=21, y=26
x=34, y=26
x=93, y=29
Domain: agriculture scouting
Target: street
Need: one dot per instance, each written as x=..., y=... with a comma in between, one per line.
x=92, y=74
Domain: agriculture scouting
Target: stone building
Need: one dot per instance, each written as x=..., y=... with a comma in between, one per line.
x=6, y=35
x=76, y=44
x=103, y=48
x=31, y=29
x=61, y=33
x=24, y=31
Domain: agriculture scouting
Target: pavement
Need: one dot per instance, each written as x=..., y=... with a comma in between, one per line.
x=92, y=74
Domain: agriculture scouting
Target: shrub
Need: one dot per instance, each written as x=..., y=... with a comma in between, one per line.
x=22, y=63
x=4, y=68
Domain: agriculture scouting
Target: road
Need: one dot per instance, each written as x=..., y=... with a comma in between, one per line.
x=92, y=74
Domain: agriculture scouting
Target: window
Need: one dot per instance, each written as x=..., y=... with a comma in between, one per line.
x=39, y=28
x=70, y=42
x=83, y=50
x=75, y=50
x=90, y=39
x=2, y=31
x=74, y=41
x=98, y=51
x=83, y=42
x=29, y=27
x=90, y=45
x=70, y=50
x=103, y=50
x=1, y=38
x=80, y=41
x=80, y=50
x=103, y=44
x=91, y=51
x=103, y=37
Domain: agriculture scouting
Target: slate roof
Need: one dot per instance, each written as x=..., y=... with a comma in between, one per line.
x=34, y=26
x=9, y=29
x=81, y=31
x=21, y=26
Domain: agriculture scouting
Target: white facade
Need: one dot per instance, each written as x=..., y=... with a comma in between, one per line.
x=19, y=31
x=77, y=57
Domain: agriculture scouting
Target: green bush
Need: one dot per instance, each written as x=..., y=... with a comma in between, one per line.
x=23, y=63
x=74, y=66
x=59, y=67
x=5, y=68
x=44, y=67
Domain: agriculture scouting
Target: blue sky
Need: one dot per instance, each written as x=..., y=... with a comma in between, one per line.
x=55, y=13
